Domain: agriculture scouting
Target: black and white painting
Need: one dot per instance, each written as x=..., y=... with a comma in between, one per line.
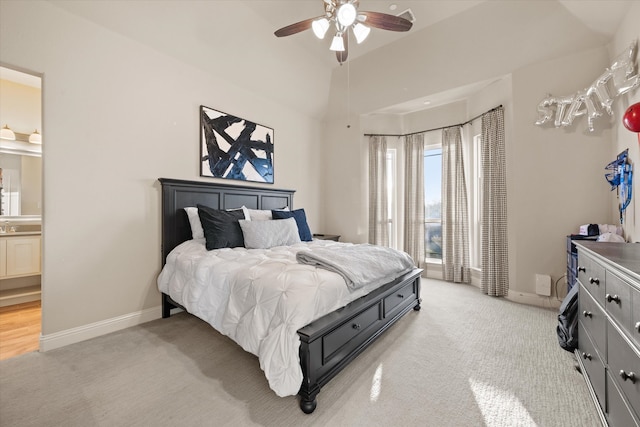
x=234, y=148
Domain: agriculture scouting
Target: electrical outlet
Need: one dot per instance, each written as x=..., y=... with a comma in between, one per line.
x=543, y=284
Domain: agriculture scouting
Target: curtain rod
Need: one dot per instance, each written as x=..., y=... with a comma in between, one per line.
x=442, y=127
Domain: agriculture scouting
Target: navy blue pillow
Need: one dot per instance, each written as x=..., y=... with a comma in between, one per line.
x=221, y=228
x=301, y=221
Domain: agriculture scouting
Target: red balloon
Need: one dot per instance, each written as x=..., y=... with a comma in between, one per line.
x=631, y=118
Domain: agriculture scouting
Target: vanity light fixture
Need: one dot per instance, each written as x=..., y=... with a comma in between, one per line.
x=35, y=137
x=7, y=133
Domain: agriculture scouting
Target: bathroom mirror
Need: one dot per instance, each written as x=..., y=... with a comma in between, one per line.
x=20, y=160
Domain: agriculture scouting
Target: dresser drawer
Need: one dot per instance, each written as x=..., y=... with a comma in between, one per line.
x=351, y=333
x=395, y=300
x=624, y=362
x=592, y=276
x=593, y=320
x=618, y=413
x=618, y=300
x=593, y=365
x=635, y=316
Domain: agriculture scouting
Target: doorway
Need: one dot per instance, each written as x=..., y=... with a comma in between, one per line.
x=21, y=199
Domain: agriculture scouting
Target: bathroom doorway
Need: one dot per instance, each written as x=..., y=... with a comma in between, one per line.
x=21, y=199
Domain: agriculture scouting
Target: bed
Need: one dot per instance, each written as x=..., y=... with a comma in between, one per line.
x=328, y=343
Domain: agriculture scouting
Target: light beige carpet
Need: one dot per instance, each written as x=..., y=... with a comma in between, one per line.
x=465, y=359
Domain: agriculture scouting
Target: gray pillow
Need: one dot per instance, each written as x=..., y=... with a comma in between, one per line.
x=269, y=233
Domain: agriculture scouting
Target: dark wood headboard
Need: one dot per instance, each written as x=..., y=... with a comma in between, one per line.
x=178, y=194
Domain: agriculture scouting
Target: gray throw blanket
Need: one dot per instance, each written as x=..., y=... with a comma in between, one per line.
x=360, y=265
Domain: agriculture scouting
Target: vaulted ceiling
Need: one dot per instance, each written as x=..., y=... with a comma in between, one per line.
x=234, y=39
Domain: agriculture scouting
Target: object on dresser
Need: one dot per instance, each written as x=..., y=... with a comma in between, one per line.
x=335, y=237
x=597, y=229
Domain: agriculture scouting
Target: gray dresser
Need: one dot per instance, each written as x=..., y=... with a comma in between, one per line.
x=609, y=328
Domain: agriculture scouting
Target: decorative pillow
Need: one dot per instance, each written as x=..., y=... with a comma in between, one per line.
x=221, y=228
x=261, y=214
x=196, y=226
x=301, y=221
x=267, y=234
x=194, y=220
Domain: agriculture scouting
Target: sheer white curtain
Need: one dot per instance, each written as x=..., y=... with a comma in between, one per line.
x=378, y=203
x=414, y=197
x=455, y=212
x=495, y=267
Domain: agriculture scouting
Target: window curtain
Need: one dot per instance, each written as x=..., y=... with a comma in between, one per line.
x=455, y=215
x=378, y=204
x=495, y=267
x=414, y=198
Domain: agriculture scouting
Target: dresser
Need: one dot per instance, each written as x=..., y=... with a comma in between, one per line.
x=609, y=328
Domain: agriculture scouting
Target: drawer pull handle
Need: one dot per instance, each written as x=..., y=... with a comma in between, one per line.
x=587, y=313
x=593, y=280
x=615, y=298
x=584, y=270
x=586, y=356
x=638, y=327
x=630, y=376
x=356, y=326
x=400, y=296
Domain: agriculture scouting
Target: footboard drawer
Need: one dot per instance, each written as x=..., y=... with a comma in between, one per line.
x=353, y=332
x=395, y=301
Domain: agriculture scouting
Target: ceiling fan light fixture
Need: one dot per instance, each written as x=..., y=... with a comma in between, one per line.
x=361, y=32
x=337, y=44
x=320, y=27
x=346, y=14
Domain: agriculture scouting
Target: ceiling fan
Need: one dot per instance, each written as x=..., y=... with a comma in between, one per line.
x=344, y=15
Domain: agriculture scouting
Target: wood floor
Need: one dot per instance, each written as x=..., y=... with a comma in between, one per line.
x=19, y=329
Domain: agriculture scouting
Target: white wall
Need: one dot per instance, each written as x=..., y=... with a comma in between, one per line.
x=628, y=31
x=556, y=175
x=117, y=116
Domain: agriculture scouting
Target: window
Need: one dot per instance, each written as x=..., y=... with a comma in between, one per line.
x=392, y=196
x=475, y=201
x=433, y=202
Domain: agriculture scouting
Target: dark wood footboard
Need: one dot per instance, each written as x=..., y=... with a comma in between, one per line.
x=328, y=344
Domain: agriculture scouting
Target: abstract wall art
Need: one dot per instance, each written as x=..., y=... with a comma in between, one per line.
x=234, y=148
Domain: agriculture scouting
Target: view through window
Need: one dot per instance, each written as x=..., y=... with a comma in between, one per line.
x=433, y=202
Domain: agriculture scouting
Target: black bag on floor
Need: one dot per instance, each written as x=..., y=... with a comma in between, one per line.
x=567, y=328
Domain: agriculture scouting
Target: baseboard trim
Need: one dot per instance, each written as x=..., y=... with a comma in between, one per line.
x=533, y=299
x=93, y=330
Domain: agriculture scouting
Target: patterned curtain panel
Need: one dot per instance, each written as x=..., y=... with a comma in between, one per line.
x=414, y=198
x=455, y=212
x=378, y=203
x=495, y=267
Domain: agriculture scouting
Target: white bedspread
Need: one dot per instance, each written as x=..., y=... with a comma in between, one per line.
x=257, y=297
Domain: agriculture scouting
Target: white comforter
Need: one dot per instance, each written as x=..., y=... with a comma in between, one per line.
x=257, y=297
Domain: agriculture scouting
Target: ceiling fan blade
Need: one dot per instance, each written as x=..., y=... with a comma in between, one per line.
x=386, y=22
x=296, y=28
x=342, y=56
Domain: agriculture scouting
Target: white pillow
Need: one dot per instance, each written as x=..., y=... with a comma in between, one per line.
x=261, y=214
x=269, y=233
x=197, y=232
